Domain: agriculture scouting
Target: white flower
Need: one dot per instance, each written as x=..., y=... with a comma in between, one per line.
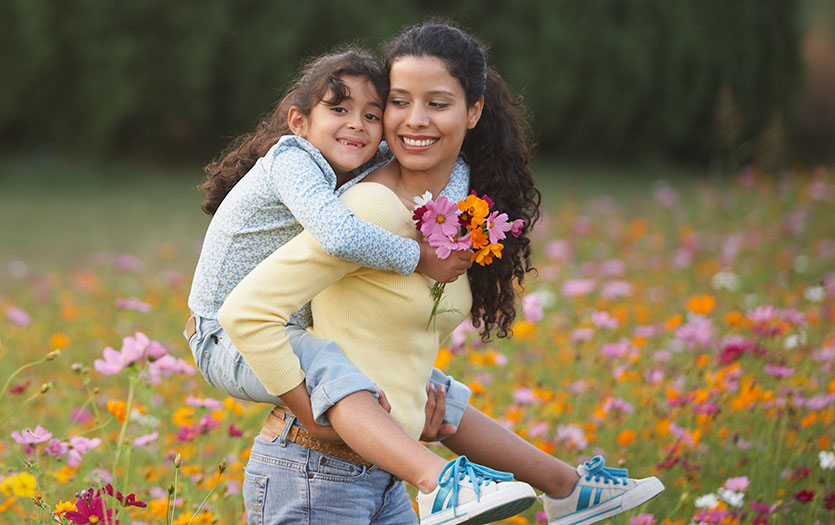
x=731, y=497
x=420, y=200
x=725, y=279
x=827, y=459
x=708, y=501
x=794, y=340
x=814, y=294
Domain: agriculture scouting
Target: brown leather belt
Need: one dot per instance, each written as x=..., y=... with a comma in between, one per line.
x=191, y=327
x=274, y=425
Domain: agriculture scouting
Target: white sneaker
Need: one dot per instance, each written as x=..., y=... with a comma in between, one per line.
x=473, y=494
x=601, y=493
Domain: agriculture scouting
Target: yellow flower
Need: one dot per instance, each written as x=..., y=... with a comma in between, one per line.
x=182, y=417
x=22, y=485
x=63, y=506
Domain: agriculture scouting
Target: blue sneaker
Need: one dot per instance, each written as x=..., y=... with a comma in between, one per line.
x=601, y=493
x=473, y=494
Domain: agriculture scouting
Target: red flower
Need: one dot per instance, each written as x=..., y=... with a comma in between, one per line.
x=85, y=512
x=829, y=501
x=129, y=501
x=235, y=431
x=804, y=496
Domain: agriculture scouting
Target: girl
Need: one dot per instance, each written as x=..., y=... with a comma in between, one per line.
x=442, y=100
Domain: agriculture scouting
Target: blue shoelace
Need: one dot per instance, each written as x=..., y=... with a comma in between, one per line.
x=595, y=469
x=457, y=470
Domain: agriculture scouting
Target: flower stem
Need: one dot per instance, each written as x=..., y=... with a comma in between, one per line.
x=16, y=372
x=133, y=380
x=196, y=512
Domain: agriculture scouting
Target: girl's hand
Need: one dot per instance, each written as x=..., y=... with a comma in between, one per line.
x=434, y=427
x=297, y=401
x=443, y=270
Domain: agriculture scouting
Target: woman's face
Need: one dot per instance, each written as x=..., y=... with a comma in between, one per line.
x=426, y=116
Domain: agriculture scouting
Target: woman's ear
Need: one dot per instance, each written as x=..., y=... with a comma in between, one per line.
x=474, y=113
x=297, y=122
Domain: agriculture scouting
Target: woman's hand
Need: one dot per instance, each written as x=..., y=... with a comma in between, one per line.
x=443, y=270
x=434, y=427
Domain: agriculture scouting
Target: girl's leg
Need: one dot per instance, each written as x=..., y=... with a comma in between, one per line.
x=485, y=441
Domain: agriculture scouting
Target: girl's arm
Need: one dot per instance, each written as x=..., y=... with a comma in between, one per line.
x=306, y=184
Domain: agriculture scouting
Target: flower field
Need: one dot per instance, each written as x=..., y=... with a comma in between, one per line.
x=687, y=334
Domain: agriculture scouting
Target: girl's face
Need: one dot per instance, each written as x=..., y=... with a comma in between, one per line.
x=347, y=133
x=426, y=115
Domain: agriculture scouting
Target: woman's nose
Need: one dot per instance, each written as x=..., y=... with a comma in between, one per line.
x=417, y=118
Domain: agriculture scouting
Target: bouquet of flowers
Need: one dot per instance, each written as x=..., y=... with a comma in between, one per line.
x=469, y=224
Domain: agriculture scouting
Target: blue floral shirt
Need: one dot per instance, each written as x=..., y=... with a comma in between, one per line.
x=292, y=188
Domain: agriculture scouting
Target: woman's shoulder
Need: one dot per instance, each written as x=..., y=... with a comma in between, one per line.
x=377, y=203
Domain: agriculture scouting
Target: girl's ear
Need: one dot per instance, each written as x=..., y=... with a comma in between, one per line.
x=297, y=122
x=474, y=113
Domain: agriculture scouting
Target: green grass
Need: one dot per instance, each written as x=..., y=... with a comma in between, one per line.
x=57, y=212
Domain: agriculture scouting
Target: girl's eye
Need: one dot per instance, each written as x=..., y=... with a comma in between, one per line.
x=339, y=109
x=372, y=117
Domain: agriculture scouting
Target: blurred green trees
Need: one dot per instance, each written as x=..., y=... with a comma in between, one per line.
x=694, y=79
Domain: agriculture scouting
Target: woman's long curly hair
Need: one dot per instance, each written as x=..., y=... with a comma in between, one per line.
x=320, y=78
x=498, y=152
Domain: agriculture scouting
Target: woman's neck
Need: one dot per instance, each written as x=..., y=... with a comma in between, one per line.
x=408, y=184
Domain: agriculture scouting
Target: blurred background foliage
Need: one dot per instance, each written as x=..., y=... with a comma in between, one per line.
x=708, y=82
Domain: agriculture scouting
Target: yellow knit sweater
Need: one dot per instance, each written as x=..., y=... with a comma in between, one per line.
x=377, y=317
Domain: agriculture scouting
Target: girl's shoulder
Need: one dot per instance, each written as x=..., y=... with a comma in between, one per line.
x=375, y=202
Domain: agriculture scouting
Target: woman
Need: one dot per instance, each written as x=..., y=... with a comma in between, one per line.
x=443, y=101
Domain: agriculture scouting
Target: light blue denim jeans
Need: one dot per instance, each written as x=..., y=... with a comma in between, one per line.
x=287, y=484
x=330, y=376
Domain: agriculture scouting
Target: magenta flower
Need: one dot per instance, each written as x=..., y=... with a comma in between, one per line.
x=235, y=431
x=31, y=437
x=516, y=227
x=440, y=218
x=497, y=225
x=643, y=519
x=94, y=510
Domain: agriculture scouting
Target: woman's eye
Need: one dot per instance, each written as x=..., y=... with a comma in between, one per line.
x=398, y=102
x=439, y=104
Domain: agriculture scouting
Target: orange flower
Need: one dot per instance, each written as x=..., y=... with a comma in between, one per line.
x=118, y=409
x=182, y=417
x=626, y=437
x=524, y=329
x=59, y=340
x=673, y=322
x=485, y=255
x=479, y=239
x=443, y=358
x=810, y=419
x=701, y=304
x=474, y=211
x=733, y=318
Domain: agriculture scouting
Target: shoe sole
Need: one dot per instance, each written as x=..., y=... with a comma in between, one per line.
x=504, y=505
x=639, y=495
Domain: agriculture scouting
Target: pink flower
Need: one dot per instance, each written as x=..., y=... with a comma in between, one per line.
x=496, y=226
x=603, y=320
x=524, y=395
x=18, y=316
x=615, y=289
x=581, y=334
x=779, y=371
x=578, y=287
x=560, y=250
x=132, y=304
x=31, y=437
x=572, y=436
x=738, y=484
x=618, y=349
x=206, y=402
x=532, y=308
x=643, y=519
x=56, y=448
x=440, y=218
x=235, y=431
x=697, y=331
x=141, y=441
x=446, y=245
